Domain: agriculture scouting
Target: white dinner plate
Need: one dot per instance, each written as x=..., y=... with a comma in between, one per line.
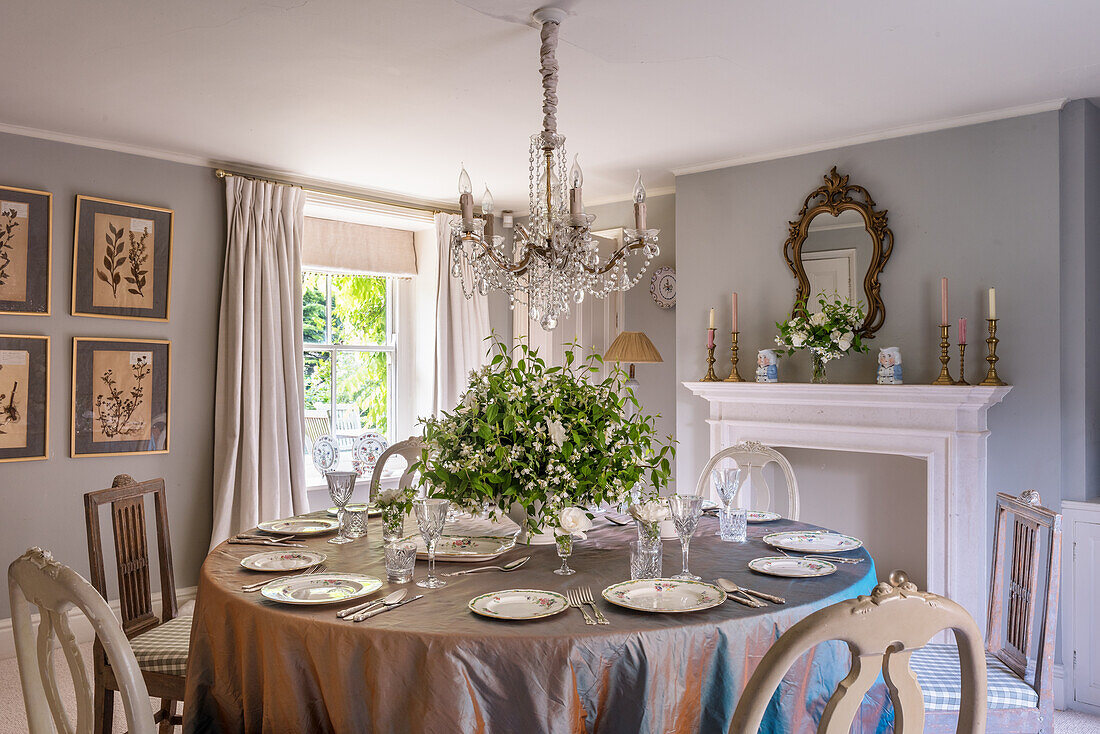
x=300, y=526
x=813, y=541
x=758, y=516
x=709, y=505
x=518, y=604
x=664, y=595
x=357, y=507
x=321, y=588
x=288, y=560
x=465, y=548
x=795, y=568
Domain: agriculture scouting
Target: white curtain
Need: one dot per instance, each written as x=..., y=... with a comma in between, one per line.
x=462, y=325
x=259, y=464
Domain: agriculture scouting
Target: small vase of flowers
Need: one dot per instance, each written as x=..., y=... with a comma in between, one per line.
x=395, y=504
x=829, y=333
x=530, y=440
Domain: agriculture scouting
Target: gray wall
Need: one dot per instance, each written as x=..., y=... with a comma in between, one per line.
x=42, y=500
x=978, y=204
x=657, y=382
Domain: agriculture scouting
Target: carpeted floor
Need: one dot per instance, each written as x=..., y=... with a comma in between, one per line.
x=13, y=718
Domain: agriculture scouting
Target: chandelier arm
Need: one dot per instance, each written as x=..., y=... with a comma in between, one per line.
x=549, y=71
x=616, y=257
x=517, y=268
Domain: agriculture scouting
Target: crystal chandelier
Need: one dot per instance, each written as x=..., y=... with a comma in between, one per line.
x=554, y=260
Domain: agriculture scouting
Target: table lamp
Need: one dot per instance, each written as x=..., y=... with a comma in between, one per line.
x=633, y=347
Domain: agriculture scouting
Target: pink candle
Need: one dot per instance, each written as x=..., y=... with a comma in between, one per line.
x=962, y=330
x=943, y=301
x=734, y=312
x=710, y=338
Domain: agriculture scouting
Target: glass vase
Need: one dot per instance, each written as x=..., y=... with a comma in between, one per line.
x=819, y=376
x=649, y=533
x=393, y=523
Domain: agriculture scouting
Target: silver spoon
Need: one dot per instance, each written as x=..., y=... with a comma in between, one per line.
x=728, y=585
x=731, y=588
x=509, y=566
x=392, y=598
x=386, y=604
x=617, y=520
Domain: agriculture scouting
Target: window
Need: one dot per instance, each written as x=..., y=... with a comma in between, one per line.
x=350, y=360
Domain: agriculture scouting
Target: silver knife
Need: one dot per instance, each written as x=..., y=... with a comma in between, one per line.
x=235, y=541
x=367, y=615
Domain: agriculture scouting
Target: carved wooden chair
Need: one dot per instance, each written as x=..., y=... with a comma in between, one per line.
x=409, y=450
x=752, y=457
x=1023, y=614
x=36, y=579
x=160, y=644
x=882, y=631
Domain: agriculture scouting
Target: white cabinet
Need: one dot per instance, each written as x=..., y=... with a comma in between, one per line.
x=1081, y=604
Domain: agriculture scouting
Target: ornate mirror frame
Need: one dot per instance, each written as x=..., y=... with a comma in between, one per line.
x=834, y=197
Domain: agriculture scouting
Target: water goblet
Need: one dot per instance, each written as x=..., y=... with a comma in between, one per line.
x=341, y=484
x=431, y=515
x=564, y=544
x=685, y=510
x=726, y=483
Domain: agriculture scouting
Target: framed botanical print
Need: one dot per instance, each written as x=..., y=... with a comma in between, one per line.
x=24, y=395
x=120, y=396
x=122, y=258
x=26, y=230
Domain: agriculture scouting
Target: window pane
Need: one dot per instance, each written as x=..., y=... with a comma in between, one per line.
x=318, y=420
x=358, y=309
x=362, y=395
x=313, y=308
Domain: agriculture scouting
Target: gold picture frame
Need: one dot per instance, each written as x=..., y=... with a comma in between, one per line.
x=26, y=257
x=122, y=396
x=122, y=260
x=28, y=412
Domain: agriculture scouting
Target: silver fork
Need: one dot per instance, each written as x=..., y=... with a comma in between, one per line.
x=832, y=559
x=586, y=597
x=575, y=602
x=318, y=568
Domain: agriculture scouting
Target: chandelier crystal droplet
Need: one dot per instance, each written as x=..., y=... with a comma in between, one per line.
x=555, y=260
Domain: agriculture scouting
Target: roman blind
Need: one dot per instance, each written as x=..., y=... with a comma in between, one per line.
x=348, y=247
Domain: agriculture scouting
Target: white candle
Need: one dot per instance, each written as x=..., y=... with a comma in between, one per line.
x=710, y=325
x=992, y=303
x=734, y=312
x=943, y=301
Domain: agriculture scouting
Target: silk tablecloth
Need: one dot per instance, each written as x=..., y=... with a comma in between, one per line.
x=433, y=666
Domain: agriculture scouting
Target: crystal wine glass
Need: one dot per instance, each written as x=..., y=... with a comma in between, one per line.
x=685, y=509
x=340, y=486
x=431, y=514
x=726, y=483
x=564, y=544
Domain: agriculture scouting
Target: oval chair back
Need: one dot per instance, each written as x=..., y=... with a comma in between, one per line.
x=410, y=450
x=752, y=457
x=36, y=579
x=881, y=631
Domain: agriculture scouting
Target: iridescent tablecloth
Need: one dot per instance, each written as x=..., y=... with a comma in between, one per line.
x=433, y=666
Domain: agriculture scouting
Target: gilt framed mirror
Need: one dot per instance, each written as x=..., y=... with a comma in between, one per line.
x=839, y=245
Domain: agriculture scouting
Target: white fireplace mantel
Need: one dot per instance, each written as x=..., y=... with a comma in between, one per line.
x=945, y=426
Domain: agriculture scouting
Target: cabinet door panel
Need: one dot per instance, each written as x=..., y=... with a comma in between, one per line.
x=1086, y=600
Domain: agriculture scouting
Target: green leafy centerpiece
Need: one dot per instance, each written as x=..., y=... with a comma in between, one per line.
x=829, y=334
x=530, y=440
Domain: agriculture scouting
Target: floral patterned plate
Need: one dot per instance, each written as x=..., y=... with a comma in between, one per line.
x=300, y=526
x=326, y=453
x=368, y=448
x=758, y=516
x=664, y=595
x=321, y=588
x=794, y=568
x=465, y=548
x=813, y=541
x=518, y=604
x=288, y=560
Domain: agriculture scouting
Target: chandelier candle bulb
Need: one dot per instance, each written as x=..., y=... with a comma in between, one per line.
x=639, y=203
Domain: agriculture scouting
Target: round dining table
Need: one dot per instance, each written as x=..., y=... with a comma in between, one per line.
x=434, y=666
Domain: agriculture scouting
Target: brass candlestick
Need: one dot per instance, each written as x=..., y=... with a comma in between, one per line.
x=962, y=366
x=710, y=376
x=945, y=357
x=991, y=377
x=734, y=376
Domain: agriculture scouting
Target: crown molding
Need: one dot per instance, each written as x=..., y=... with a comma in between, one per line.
x=901, y=131
x=100, y=144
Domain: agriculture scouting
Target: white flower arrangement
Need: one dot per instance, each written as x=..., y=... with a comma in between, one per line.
x=574, y=522
x=829, y=334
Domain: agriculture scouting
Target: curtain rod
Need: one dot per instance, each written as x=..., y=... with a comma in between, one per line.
x=223, y=173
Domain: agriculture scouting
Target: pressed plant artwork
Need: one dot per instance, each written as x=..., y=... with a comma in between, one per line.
x=122, y=259
x=24, y=384
x=25, y=226
x=120, y=396
x=13, y=250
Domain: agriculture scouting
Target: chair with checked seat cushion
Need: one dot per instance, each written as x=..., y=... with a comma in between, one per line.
x=159, y=644
x=882, y=632
x=1023, y=612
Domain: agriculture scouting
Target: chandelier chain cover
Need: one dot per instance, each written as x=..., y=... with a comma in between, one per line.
x=555, y=260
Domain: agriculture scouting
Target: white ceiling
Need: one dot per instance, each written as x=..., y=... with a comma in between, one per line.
x=392, y=96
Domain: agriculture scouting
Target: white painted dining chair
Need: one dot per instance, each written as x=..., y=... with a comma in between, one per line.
x=882, y=631
x=36, y=579
x=410, y=450
x=752, y=457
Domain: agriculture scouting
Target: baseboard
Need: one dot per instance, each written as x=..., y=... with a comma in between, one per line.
x=1060, y=683
x=81, y=627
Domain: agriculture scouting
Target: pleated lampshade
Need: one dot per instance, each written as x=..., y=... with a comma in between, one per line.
x=634, y=347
